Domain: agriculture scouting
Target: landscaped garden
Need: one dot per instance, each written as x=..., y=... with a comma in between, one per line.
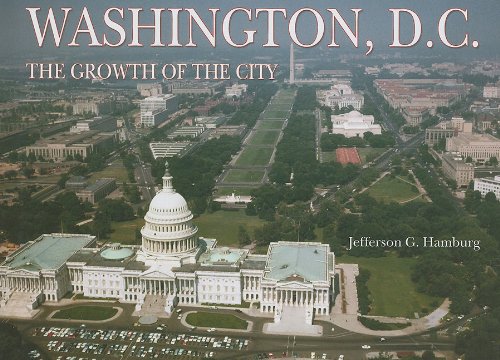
x=86, y=312
x=225, y=321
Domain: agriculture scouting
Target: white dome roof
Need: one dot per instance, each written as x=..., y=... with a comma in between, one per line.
x=168, y=206
x=354, y=114
x=168, y=202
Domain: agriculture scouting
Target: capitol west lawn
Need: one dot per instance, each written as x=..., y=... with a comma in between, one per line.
x=124, y=231
x=223, y=225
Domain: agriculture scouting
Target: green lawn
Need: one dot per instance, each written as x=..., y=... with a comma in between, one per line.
x=242, y=175
x=258, y=156
x=124, y=231
x=270, y=125
x=237, y=190
x=115, y=170
x=226, y=321
x=276, y=114
x=282, y=106
x=392, y=189
x=393, y=292
x=268, y=137
x=328, y=156
x=223, y=225
x=95, y=313
x=369, y=154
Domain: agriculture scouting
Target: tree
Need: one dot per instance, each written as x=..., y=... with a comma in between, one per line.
x=329, y=213
x=468, y=159
x=493, y=161
x=62, y=180
x=472, y=200
x=31, y=157
x=13, y=157
x=490, y=197
x=101, y=226
x=10, y=174
x=428, y=355
x=116, y=210
x=243, y=236
x=27, y=172
x=12, y=346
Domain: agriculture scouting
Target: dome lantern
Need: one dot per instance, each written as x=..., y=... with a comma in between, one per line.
x=168, y=227
x=167, y=180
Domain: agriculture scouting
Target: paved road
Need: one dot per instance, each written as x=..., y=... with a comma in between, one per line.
x=145, y=181
x=333, y=343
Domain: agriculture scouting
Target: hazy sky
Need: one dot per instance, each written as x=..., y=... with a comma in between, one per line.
x=17, y=35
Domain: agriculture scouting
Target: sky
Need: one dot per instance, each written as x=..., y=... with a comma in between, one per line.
x=17, y=36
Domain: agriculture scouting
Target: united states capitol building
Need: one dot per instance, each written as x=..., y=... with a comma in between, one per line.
x=173, y=266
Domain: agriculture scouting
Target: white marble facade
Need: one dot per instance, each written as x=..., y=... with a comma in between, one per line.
x=177, y=267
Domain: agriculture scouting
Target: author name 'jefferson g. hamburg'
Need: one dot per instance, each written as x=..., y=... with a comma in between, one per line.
x=425, y=241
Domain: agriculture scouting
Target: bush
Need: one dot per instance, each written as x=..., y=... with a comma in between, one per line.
x=377, y=325
x=364, y=296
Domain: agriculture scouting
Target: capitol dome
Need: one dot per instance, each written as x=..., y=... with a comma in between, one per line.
x=168, y=228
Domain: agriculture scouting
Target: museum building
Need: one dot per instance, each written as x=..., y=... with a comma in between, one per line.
x=172, y=266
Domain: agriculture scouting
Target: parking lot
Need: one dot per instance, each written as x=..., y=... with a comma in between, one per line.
x=78, y=343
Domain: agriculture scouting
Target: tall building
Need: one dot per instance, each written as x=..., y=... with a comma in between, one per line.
x=98, y=106
x=172, y=266
x=486, y=185
x=150, y=89
x=59, y=147
x=492, y=91
x=480, y=147
x=292, y=65
x=97, y=191
x=156, y=109
x=455, y=168
x=447, y=129
x=415, y=98
x=100, y=123
x=236, y=90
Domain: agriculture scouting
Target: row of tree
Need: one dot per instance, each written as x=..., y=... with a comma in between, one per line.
x=248, y=114
x=194, y=174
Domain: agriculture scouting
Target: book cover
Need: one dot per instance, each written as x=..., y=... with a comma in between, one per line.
x=249, y=180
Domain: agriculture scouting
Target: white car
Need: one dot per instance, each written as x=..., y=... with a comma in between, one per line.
x=366, y=347
x=341, y=357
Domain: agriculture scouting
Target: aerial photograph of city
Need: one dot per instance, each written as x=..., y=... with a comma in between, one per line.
x=209, y=179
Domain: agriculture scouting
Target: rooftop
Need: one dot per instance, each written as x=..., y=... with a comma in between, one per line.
x=110, y=256
x=48, y=251
x=222, y=256
x=99, y=184
x=79, y=139
x=306, y=261
x=475, y=138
